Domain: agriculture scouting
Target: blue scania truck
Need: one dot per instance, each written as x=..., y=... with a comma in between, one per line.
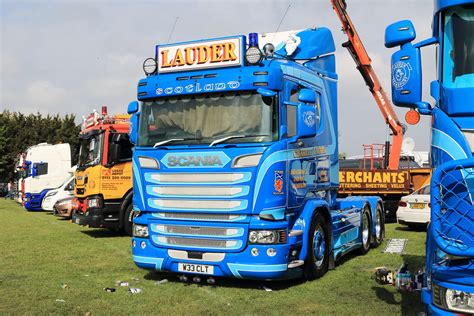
x=449, y=282
x=235, y=165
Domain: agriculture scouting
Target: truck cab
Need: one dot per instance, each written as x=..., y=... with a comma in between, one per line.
x=448, y=288
x=236, y=160
x=103, y=179
x=45, y=167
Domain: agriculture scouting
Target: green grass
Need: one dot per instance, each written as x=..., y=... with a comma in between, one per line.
x=40, y=253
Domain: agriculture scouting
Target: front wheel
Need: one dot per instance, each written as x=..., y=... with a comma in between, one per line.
x=318, y=245
x=128, y=217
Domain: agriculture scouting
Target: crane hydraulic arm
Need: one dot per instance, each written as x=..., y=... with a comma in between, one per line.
x=364, y=65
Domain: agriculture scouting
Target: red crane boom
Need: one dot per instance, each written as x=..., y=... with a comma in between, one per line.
x=364, y=65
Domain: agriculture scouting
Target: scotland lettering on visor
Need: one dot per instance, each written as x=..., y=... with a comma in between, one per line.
x=200, y=55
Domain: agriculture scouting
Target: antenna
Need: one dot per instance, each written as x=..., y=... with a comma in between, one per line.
x=281, y=21
x=172, y=29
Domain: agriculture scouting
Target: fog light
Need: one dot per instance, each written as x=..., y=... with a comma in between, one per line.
x=149, y=66
x=254, y=252
x=134, y=243
x=253, y=55
x=143, y=245
x=271, y=252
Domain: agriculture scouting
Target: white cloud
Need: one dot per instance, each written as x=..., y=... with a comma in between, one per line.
x=44, y=95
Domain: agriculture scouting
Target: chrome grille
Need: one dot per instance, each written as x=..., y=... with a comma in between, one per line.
x=197, y=177
x=197, y=217
x=452, y=207
x=197, y=230
x=197, y=242
x=196, y=190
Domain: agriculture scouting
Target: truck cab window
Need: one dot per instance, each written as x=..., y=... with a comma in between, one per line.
x=125, y=149
x=291, y=113
x=41, y=168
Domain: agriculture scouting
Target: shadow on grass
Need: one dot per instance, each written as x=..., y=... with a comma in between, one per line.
x=412, y=228
x=226, y=282
x=103, y=233
x=410, y=302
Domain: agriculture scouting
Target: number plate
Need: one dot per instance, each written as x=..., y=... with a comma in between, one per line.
x=417, y=205
x=196, y=268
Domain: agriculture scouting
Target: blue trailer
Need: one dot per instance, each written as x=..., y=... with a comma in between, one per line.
x=449, y=283
x=235, y=165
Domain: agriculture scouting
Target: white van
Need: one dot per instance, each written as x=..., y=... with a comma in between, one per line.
x=66, y=190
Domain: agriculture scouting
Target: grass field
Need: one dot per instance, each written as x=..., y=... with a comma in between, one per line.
x=40, y=253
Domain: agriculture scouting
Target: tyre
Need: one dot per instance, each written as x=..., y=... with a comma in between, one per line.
x=365, y=231
x=128, y=217
x=318, y=247
x=379, y=226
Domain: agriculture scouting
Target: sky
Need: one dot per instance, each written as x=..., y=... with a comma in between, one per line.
x=74, y=56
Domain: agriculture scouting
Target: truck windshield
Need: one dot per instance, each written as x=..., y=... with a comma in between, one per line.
x=203, y=119
x=458, y=49
x=90, y=150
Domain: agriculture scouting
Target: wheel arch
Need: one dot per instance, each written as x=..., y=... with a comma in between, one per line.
x=127, y=199
x=310, y=210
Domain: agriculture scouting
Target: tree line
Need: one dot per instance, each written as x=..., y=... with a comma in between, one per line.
x=19, y=131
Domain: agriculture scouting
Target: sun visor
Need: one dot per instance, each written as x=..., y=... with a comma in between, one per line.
x=301, y=44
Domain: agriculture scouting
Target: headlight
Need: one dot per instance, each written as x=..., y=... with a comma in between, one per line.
x=140, y=231
x=93, y=202
x=267, y=236
x=51, y=193
x=460, y=301
x=453, y=300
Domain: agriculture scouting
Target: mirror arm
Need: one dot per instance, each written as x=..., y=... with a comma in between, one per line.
x=423, y=108
x=426, y=42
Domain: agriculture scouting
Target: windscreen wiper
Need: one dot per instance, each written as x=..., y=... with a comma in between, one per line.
x=223, y=139
x=174, y=140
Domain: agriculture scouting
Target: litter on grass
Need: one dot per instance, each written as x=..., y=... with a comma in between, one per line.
x=60, y=301
x=402, y=279
x=161, y=281
x=396, y=246
x=109, y=289
x=122, y=283
x=64, y=286
x=134, y=290
x=267, y=289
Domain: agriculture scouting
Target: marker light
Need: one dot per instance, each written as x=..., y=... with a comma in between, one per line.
x=247, y=161
x=149, y=66
x=147, y=162
x=253, y=40
x=253, y=55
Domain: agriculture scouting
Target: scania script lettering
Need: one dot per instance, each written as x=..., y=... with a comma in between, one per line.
x=197, y=161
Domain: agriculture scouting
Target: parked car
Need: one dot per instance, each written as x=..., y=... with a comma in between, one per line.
x=414, y=209
x=66, y=190
x=64, y=208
